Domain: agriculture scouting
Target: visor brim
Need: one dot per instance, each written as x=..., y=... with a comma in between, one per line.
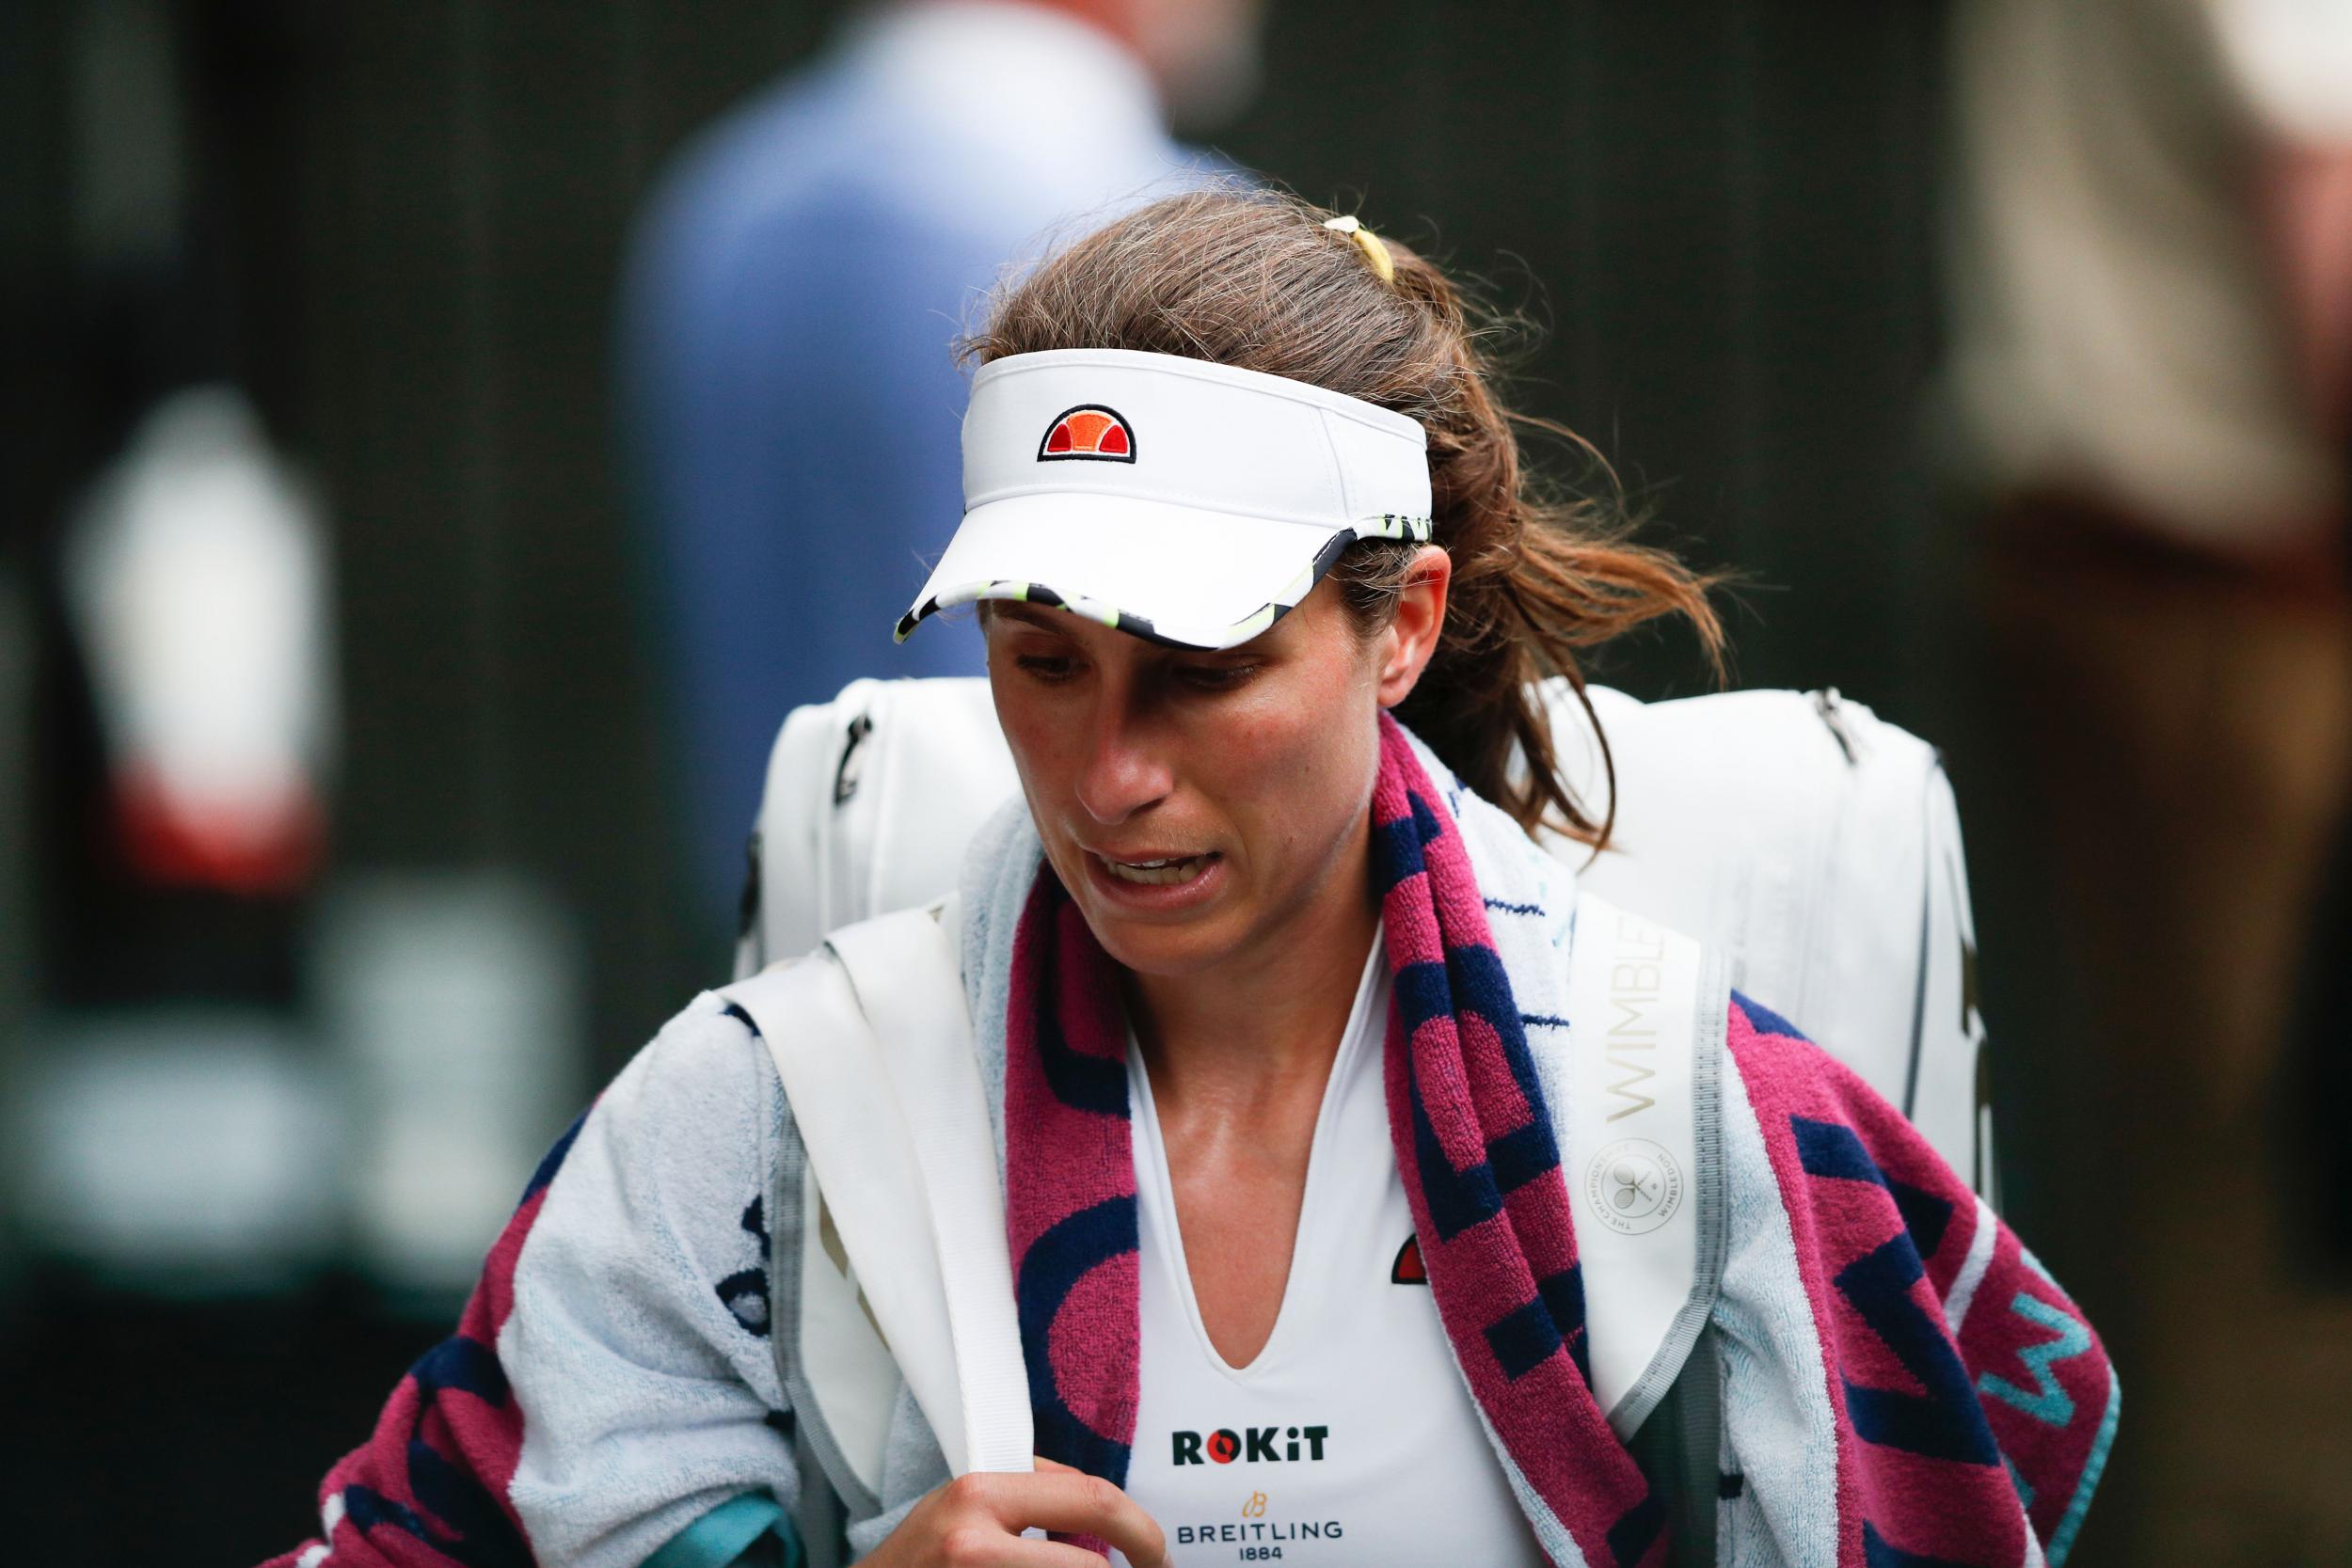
x=1188, y=577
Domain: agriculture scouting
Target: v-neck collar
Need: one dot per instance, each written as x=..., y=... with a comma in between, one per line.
x=1361, y=1035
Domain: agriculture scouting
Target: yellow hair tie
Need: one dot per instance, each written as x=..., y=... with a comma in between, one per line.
x=1367, y=242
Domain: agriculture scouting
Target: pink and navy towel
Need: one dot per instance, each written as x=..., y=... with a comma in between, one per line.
x=1973, y=1404
x=431, y=1486
x=1904, y=1387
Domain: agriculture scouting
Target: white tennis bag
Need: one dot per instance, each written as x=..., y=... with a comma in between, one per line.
x=1812, y=848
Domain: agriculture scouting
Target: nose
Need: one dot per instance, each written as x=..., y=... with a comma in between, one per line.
x=1125, y=769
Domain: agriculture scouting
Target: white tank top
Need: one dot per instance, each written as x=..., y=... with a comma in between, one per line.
x=1351, y=1438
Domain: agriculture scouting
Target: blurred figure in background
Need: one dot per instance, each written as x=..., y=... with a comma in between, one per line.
x=2154, y=338
x=794, y=290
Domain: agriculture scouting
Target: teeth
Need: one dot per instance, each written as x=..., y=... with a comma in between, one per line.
x=1159, y=873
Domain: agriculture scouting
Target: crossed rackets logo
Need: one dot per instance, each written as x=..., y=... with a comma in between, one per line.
x=1634, y=1185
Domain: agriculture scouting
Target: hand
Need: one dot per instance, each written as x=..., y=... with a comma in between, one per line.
x=976, y=1521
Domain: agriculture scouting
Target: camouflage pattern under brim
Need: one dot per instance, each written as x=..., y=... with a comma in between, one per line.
x=1389, y=526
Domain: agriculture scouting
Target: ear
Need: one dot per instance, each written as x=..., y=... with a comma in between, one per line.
x=1411, y=639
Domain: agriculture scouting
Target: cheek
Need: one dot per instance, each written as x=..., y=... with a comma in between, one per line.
x=1036, y=741
x=1301, y=771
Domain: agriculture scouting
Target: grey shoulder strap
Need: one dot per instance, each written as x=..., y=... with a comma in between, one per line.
x=1679, y=1447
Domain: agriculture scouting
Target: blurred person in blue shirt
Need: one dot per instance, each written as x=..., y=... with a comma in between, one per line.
x=793, y=293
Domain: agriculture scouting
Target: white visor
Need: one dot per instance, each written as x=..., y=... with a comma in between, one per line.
x=1187, y=502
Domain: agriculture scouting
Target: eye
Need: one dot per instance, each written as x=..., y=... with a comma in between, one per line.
x=1052, y=669
x=1218, y=677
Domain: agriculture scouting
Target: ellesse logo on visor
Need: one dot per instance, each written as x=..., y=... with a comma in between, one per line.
x=1090, y=433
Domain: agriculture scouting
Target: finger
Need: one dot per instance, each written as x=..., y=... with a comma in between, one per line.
x=1058, y=1554
x=1072, y=1502
x=996, y=1550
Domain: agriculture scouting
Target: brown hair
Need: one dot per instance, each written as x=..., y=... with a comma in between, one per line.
x=1252, y=278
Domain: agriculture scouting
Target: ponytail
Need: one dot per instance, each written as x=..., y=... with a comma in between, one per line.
x=1264, y=281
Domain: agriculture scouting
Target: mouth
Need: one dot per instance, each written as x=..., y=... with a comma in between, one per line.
x=1159, y=870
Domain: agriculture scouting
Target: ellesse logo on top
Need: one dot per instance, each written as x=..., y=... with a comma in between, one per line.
x=1089, y=433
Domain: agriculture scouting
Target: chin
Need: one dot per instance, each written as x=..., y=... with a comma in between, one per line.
x=1192, y=943
x=1171, y=952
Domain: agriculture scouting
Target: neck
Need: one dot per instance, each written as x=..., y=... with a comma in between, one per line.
x=1271, y=1016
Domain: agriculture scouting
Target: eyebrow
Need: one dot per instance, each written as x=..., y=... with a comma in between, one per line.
x=1013, y=610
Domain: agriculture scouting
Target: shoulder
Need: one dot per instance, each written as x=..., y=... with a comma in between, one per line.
x=637, y=1344
x=677, y=1150
x=705, y=1070
x=747, y=162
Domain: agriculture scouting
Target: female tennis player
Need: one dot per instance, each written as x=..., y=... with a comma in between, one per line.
x=1268, y=983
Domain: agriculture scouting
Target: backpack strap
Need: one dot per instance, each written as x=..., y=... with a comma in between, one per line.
x=810, y=1304
x=1647, y=1010
x=907, y=976
x=871, y=1040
